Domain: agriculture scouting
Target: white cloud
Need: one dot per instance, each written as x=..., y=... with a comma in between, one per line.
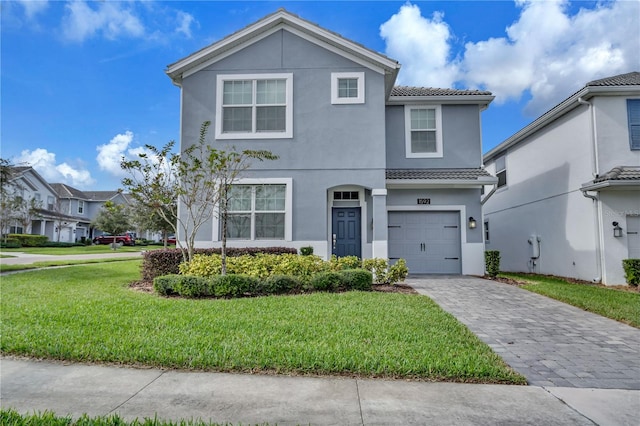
x=546, y=52
x=33, y=7
x=44, y=162
x=111, y=154
x=111, y=19
x=422, y=46
x=185, y=21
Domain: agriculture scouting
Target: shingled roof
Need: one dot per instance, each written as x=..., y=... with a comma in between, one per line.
x=628, y=79
x=437, y=174
x=66, y=191
x=627, y=173
x=433, y=91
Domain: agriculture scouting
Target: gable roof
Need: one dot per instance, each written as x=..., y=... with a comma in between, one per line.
x=621, y=85
x=66, y=191
x=101, y=195
x=22, y=171
x=282, y=19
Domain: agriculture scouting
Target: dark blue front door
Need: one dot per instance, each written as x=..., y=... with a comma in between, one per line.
x=346, y=232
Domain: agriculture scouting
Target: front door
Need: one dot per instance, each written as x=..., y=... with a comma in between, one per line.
x=346, y=235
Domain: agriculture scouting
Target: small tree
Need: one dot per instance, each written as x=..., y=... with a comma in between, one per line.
x=112, y=218
x=10, y=197
x=26, y=211
x=198, y=180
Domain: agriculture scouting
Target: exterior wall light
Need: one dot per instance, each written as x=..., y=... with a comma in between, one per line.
x=617, y=230
x=472, y=223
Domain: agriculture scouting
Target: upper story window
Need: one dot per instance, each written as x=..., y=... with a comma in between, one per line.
x=257, y=212
x=80, y=207
x=423, y=131
x=633, y=112
x=347, y=87
x=256, y=106
x=50, y=201
x=501, y=171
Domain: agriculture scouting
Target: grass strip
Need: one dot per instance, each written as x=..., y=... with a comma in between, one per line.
x=619, y=305
x=39, y=265
x=89, y=314
x=10, y=417
x=63, y=251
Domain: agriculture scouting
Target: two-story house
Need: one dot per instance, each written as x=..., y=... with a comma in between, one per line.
x=365, y=168
x=568, y=195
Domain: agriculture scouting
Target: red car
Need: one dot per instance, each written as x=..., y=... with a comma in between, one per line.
x=125, y=240
x=171, y=239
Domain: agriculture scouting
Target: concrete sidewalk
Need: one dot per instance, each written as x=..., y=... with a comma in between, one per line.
x=74, y=389
x=27, y=258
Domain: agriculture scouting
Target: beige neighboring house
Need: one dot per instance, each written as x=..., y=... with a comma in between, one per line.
x=568, y=195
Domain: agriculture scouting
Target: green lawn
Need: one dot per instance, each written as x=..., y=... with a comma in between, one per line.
x=89, y=314
x=616, y=304
x=38, y=265
x=61, y=251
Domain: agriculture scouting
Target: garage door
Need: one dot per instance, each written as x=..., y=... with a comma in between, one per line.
x=428, y=241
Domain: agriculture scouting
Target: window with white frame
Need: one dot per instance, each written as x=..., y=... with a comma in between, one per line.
x=257, y=212
x=347, y=88
x=501, y=171
x=423, y=130
x=257, y=106
x=50, y=201
x=633, y=114
x=80, y=207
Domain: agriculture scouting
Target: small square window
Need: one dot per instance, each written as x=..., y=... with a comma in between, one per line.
x=347, y=88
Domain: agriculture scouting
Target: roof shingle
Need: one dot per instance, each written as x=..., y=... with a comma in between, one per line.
x=628, y=79
x=620, y=173
x=437, y=174
x=434, y=91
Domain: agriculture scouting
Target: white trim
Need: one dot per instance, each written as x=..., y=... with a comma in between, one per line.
x=336, y=77
x=407, y=132
x=287, y=134
x=378, y=191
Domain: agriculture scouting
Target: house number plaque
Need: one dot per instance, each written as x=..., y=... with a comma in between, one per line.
x=424, y=200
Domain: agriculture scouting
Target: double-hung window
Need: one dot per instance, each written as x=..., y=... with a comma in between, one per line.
x=423, y=130
x=256, y=106
x=347, y=88
x=633, y=113
x=257, y=212
x=80, y=207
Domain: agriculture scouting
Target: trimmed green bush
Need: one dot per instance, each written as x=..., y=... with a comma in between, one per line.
x=397, y=272
x=378, y=267
x=165, y=285
x=306, y=251
x=10, y=243
x=345, y=262
x=193, y=287
x=27, y=240
x=631, y=271
x=280, y=284
x=326, y=281
x=356, y=279
x=492, y=262
x=232, y=285
x=61, y=244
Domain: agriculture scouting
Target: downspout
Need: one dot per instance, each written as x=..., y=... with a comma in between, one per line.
x=595, y=171
x=486, y=198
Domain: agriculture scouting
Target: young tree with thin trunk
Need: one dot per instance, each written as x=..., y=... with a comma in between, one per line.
x=114, y=219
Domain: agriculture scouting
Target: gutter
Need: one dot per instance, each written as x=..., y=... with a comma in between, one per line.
x=599, y=261
x=486, y=198
x=595, y=163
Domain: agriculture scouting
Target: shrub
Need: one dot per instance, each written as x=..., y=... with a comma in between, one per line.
x=397, y=272
x=326, y=281
x=492, y=262
x=61, y=244
x=378, y=267
x=165, y=262
x=306, y=251
x=10, y=243
x=280, y=284
x=356, y=279
x=192, y=287
x=345, y=262
x=631, y=271
x=166, y=284
x=232, y=285
x=27, y=240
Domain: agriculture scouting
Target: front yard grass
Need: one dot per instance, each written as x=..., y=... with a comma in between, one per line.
x=89, y=314
x=623, y=306
x=50, y=263
x=62, y=251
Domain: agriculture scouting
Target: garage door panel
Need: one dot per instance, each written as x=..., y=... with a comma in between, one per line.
x=428, y=241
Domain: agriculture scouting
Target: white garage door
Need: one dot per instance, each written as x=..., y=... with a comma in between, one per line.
x=428, y=241
x=633, y=236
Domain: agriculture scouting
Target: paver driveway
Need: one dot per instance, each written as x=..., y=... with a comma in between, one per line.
x=549, y=342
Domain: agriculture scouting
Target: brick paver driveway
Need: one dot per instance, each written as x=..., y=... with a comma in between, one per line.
x=549, y=342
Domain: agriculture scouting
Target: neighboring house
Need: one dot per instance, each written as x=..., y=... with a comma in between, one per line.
x=49, y=219
x=364, y=168
x=568, y=197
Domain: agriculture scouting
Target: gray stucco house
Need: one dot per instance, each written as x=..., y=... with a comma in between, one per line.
x=568, y=198
x=365, y=167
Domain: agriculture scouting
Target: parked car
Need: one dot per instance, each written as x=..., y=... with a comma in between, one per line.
x=171, y=239
x=126, y=240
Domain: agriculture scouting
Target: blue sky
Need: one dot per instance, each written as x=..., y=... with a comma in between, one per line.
x=83, y=83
